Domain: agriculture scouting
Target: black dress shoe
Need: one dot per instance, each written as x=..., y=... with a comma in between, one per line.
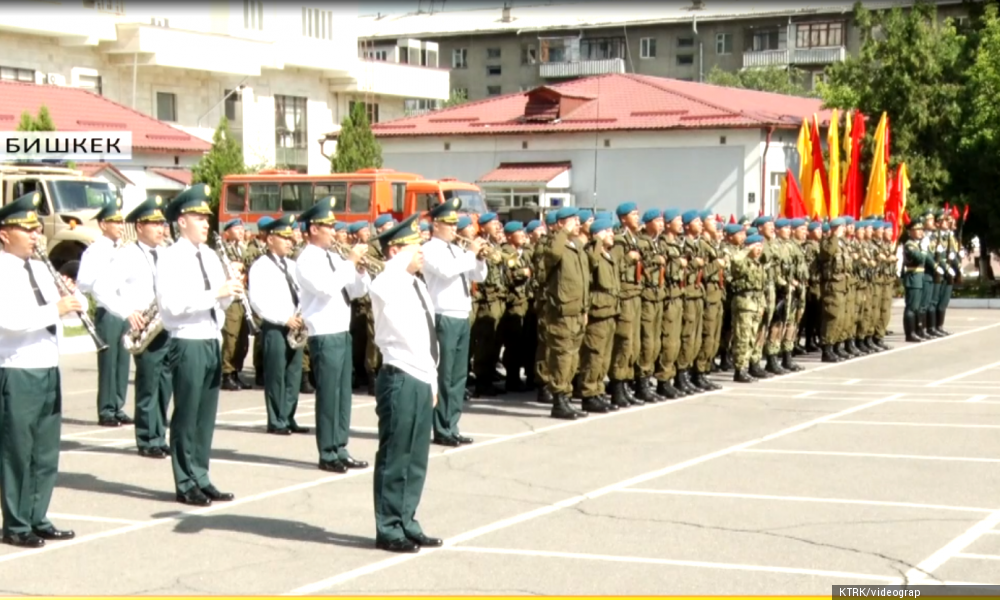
x=464, y=440
x=23, y=540
x=215, y=495
x=298, y=429
x=194, y=497
x=352, y=463
x=334, y=466
x=124, y=419
x=230, y=383
x=152, y=453
x=279, y=431
x=402, y=546
x=165, y=450
x=446, y=441
x=425, y=542
x=54, y=534
x=109, y=422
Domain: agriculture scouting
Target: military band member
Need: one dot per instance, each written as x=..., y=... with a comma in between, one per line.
x=914, y=265
x=31, y=312
x=952, y=264
x=113, y=363
x=449, y=272
x=128, y=290
x=194, y=291
x=329, y=283
x=406, y=390
x=255, y=249
x=274, y=296
x=235, y=333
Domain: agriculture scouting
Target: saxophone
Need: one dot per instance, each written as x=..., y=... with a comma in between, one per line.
x=136, y=341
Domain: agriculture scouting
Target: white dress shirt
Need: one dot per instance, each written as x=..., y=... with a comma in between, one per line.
x=128, y=286
x=186, y=307
x=325, y=309
x=94, y=263
x=401, y=329
x=270, y=295
x=25, y=342
x=445, y=266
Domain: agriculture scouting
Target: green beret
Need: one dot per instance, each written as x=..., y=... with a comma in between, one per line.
x=22, y=212
x=194, y=200
x=150, y=211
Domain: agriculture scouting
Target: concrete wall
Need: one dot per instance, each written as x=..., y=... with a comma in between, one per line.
x=691, y=169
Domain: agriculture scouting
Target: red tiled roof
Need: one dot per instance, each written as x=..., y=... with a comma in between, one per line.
x=616, y=102
x=525, y=172
x=92, y=169
x=182, y=176
x=75, y=109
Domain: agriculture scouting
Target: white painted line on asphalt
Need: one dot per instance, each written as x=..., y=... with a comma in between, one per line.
x=941, y=382
x=90, y=519
x=806, y=394
x=675, y=563
x=978, y=556
x=545, y=510
x=469, y=433
x=852, y=381
x=807, y=499
x=875, y=455
x=907, y=424
x=976, y=399
x=925, y=569
x=928, y=401
x=753, y=391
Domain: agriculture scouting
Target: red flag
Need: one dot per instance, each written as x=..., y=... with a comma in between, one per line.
x=947, y=208
x=852, y=187
x=965, y=213
x=906, y=219
x=954, y=212
x=817, y=161
x=795, y=208
x=732, y=219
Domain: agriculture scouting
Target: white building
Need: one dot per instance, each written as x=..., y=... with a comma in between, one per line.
x=600, y=141
x=284, y=74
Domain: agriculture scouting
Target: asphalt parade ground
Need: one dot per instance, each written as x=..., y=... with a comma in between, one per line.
x=883, y=469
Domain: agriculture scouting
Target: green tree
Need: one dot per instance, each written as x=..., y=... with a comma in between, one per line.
x=43, y=122
x=457, y=97
x=357, y=147
x=779, y=80
x=225, y=158
x=909, y=66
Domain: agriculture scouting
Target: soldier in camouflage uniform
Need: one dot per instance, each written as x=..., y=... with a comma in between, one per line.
x=848, y=320
x=813, y=315
x=886, y=277
x=517, y=261
x=715, y=293
x=735, y=235
x=669, y=384
x=694, y=301
x=779, y=258
x=765, y=226
x=599, y=334
x=626, y=348
x=651, y=312
x=490, y=300
x=749, y=305
x=235, y=332
x=535, y=230
x=834, y=272
x=797, y=308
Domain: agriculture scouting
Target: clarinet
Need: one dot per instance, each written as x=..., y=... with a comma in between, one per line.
x=64, y=290
x=220, y=249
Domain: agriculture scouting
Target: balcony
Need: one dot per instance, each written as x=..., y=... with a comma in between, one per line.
x=794, y=56
x=581, y=68
x=175, y=48
x=394, y=79
x=74, y=25
x=335, y=58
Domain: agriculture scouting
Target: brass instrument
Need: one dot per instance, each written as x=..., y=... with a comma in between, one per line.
x=371, y=264
x=136, y=341
x=466, y=244
x=298, y=337
x=64, y=291
x=232, y=274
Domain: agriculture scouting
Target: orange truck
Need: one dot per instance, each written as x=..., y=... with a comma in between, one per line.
x=360, y=196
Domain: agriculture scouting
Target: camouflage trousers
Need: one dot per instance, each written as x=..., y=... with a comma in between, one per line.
x=749, y=327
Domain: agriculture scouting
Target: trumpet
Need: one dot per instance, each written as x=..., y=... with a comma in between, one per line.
x=371, y=264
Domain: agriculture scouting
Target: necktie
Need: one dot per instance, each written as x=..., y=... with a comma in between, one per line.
x=465, y=282
x=343, y=291
x=288, y=278
x=430, y=322
x=208, y=284
x=38, y=292
x=153, y=254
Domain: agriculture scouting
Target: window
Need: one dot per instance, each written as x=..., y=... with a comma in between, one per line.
x=159, y=22
x=559, y=50
x=232, y=106
x=371, y=110
x=236, y=197
x=493, y=70
x=91, y=82
x=427, y=201
x=766, y=39
x=817, y=77
x=460, y=58
x=774, y=191
x=253, y=14
x=360, y=198
x=14, y=74
x=602, y=48
x=290, y=130
x=647, y=48
x=398, y=196
x=529, y=55
x=116, y=7
x=264, y=197
x=685, y=42
x=723, y=43
x=493, y=90
x=382, y=55
x=317, y=23
x=337, y=190
x=166, y=106
x=296, y=197
x=416, y=106
x=819, y=35
x=685, y=59
x=492, y=53
x=462, y=93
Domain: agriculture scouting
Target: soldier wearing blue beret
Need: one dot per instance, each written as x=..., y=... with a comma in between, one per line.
x=236, y=330
x=490, y=301
x=813, y=315
x=518, y=331
x=625, y=352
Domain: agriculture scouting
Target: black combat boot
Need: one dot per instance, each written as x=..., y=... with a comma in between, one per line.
x=788, y=364
x=725, y=361
x=667, y=391
x=771, y=366
x=691, y=387
x=932, y=327
x=629, y=392
x=910, y=328
x=881, y=344
x=860, y=347
x=742, y=376
x=698, y=380
x=756, y=371
x=680, y=385
x=829, y=356
x=644, y=392
x=940, y=322
x=918, y=328
x=596, y=404
x=562, y=409
x=618, y=397
x=544, y=395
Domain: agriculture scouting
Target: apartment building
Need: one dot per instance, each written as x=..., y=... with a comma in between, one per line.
x=284, y=74
x=501, y=50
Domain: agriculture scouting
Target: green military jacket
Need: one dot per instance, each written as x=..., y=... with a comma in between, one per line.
x=568, y=277
x=676, y=275
x=771, y=261
x=694, y=286
x=653, y=273
x=748, y=282
x=540, y=275
x=834, y=264
x=713, y=273
x=914, y=264
x=494, y=287
x=810, y=250
x=629, y=269
x=727, y=250
x=518, y=292
x=605, y=282
x=799, y=272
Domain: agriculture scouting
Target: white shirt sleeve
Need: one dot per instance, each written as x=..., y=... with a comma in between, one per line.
x=107, y=288
x=439, y=261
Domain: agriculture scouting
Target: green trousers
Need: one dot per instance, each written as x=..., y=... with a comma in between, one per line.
x=153, y=388
x=541, y=367
x=944, y=296
x=404, y=406
x=930, y=294
x=694, y=309
x=30, y=423
x=833, y=301
x=625, y=351
x=196, y=369
x=563, y=339
x=912, y=301
x=453, y=372
x=670, y=335
x=711, y=333
x=112, y=365
x=650, y=340
x=511, y=336
x=235, y=339
x=282, y=376
x=485, y=330
x=595, y=355
x=331, y=355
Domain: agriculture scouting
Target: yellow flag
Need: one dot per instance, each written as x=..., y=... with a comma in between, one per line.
x=815, y=201
x=783, y=196
x=875, y=198
x=846, y=163
x=904, y=180
x=805, y=161
x=833, y=144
